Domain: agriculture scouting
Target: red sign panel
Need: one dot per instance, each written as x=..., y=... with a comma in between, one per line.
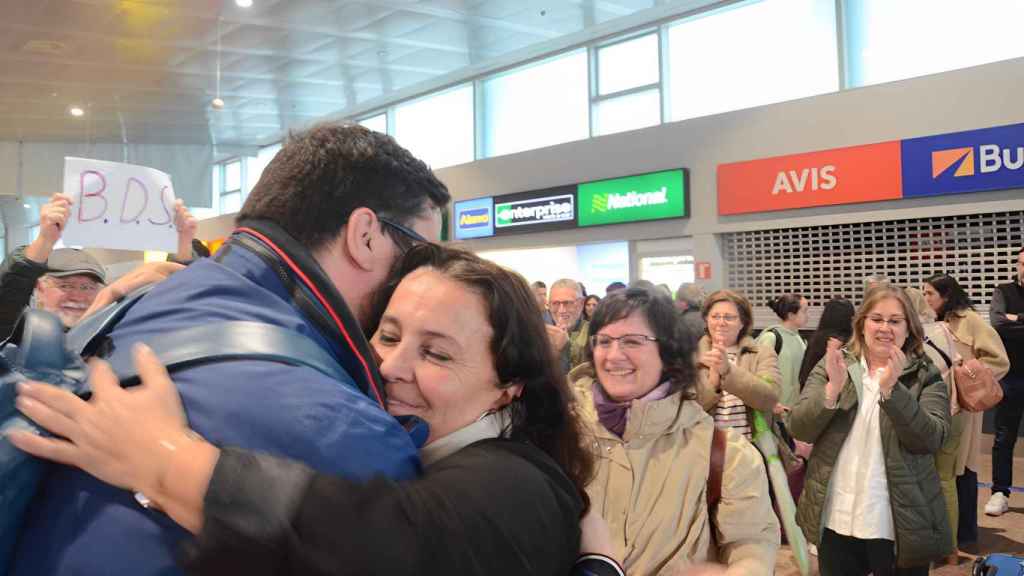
x=840, y=176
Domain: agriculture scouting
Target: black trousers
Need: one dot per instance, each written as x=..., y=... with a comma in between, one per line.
x=967, y=495
x=1008, y=415
x=846, y=556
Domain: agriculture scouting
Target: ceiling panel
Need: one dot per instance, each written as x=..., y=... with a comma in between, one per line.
x=151, y=65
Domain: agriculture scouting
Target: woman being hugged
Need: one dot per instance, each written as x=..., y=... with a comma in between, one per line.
x=653, y=446
x=876, y=412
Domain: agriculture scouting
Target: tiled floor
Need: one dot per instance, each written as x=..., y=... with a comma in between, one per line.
x=1002, y=534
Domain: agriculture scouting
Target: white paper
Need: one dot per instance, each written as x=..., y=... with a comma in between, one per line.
x=120, y=206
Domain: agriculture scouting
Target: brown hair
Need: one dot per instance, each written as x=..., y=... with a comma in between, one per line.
x=541, y=415
x=915, y=332
x=741, y=303
x=320, y=176
x=675, y=343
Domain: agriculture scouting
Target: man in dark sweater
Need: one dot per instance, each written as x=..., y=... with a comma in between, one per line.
x=1007, y=316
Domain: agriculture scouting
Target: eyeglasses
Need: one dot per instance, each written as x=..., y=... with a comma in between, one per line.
x=626, y=341
x=559, y=304
x=84, y=287
x=894, y=322
x=727, y=318
x=408, y=233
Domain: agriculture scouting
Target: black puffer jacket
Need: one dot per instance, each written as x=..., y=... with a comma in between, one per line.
x=18, y=276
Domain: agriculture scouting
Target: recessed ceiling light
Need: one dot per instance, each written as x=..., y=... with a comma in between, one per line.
x=243, y=3
x=29, y=206
x=76, y=111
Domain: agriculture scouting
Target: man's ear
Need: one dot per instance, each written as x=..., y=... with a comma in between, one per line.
x=363, y=239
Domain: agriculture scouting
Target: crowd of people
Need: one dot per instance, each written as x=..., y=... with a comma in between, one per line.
x=485, y=425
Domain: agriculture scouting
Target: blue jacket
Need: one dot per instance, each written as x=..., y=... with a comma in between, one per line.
x=80, y=526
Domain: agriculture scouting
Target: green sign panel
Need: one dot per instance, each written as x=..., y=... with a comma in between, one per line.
x=651, y=196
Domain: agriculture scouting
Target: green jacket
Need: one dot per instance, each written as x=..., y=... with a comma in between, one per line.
x=914, y=423
x=574, y=352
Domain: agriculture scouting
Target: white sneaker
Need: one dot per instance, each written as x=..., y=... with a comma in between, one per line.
x=997, y=505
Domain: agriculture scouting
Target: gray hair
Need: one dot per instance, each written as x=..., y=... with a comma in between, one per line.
x=690, y=293
x=568, y=283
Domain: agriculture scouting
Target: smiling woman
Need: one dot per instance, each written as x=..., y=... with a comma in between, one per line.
x=652, y=443
x=876, y=414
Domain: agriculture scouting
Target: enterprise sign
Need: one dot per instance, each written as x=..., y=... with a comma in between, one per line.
x=535, y=211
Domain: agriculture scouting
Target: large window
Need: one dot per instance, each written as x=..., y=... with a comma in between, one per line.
x=750, y=54
x=628, y=85
x=438, y=128
x=378, y=123
x=256, y=165
x=539, y=105
x=231, y=192
x=891, y=40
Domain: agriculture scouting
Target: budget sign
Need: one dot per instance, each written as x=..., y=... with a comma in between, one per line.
x=971, y=161
x=652, y=196
x=119, y=206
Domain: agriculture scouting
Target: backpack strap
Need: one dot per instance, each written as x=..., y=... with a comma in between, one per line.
x=945, y=357
x=778, y=340
x=88, y=335
x=233, y=340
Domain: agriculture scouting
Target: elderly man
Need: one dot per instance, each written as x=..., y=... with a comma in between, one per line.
x=566, y=303
x=689, y=298
x=63, y=281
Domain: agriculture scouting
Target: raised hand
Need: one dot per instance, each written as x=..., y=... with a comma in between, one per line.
x=892, y=370
x=53, y=217
x=835, y=366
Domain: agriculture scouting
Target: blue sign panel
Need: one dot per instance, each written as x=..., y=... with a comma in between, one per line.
x=474, y=218
x=971, y=161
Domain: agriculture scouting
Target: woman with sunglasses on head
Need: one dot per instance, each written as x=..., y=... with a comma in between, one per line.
x=653, y=448
x=876, y=412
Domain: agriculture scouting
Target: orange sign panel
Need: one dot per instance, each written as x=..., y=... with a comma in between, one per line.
x=841, y=176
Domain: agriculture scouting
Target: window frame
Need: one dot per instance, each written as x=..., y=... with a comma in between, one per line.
x=596, y=98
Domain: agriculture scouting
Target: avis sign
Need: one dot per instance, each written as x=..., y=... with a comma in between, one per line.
x=119, y=206
x=840, y=176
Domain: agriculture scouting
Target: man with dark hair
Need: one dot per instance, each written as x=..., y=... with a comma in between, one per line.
x=613, y=288
x=315, y=239
x=540, y=292
x=1007, y=316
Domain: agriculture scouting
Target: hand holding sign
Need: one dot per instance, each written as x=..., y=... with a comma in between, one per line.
x=120, y=206
x=53, y=216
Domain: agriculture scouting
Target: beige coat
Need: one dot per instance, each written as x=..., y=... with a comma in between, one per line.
x=976, y=339
x=650, y=488
x=754, y=379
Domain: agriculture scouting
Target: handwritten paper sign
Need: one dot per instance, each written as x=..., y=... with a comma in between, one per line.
x=120, y=206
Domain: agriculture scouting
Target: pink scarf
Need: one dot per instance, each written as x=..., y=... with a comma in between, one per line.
x=614, y=415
